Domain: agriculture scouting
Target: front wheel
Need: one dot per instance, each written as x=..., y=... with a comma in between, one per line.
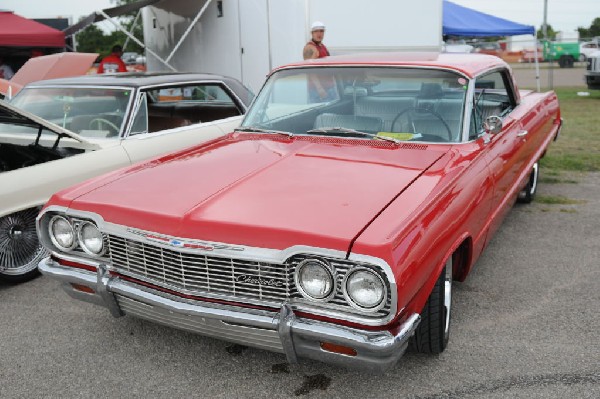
x=528, y=193
x=433, y=333
x=20, y=248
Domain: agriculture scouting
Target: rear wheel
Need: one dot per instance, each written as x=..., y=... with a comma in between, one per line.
x=433, y=333
x=20, y=248
x=528, y=193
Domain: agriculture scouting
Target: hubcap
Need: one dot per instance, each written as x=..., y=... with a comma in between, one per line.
x=448, y=294
x=534, y=179
x=20, y=249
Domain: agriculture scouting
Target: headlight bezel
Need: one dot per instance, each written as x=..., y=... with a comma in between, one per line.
x=328, y=268
x=352, y=302
x=81, y=242
x=52, y=237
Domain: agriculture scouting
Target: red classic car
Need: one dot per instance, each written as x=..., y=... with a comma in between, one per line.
x=331, y=224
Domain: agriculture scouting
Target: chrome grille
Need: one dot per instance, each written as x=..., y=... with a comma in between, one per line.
x=205, y=275
x=196, y=273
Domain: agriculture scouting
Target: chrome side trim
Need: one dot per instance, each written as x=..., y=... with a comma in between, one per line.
x=241, y=252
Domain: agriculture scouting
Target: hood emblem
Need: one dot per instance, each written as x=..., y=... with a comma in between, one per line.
x=188, y=244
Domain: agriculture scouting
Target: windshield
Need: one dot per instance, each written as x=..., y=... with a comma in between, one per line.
x=89, y=112
x=406, y=104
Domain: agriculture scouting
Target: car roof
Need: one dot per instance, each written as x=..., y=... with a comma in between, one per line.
x=470, y=65
x=132, y=79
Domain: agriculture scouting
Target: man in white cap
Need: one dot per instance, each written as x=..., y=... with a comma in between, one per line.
x=315, y=48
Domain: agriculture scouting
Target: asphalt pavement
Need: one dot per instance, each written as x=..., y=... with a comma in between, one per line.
x=525, y=324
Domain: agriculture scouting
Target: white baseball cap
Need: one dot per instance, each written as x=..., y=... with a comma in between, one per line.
x=317, y=25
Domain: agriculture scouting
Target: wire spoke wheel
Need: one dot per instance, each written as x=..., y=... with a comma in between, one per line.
x=20, y=248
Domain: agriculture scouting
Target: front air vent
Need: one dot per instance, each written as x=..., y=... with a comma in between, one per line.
x=411, y=146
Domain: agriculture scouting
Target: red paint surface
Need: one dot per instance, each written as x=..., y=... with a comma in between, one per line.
x=262, y=192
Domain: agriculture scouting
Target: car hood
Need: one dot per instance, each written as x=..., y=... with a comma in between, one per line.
x=12, y=115
x=260, y=191
x=59, y=65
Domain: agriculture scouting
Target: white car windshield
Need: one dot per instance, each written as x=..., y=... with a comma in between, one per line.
x=407, y=104
x=89, y=112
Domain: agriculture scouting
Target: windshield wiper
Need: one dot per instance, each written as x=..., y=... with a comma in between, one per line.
x=251, y=129
x=353, y=132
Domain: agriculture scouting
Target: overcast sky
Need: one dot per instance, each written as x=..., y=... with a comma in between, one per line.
x=564, y=15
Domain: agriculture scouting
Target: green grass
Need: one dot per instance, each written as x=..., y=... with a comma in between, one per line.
x=557, y=200
x=578, y=147
x=556, y=180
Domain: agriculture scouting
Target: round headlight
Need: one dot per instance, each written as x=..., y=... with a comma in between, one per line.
x=62, y=234
x=90, y=239
x=365, y=290
x=315, y=280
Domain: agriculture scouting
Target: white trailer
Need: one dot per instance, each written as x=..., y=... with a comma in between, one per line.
x=245, y=39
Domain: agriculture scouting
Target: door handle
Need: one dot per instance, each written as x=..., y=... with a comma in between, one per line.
x=522, y=133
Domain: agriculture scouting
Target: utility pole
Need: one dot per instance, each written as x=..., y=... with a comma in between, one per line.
x=545, y=24
x=547, y=46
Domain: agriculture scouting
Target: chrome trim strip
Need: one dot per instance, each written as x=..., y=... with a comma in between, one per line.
x=247, y=253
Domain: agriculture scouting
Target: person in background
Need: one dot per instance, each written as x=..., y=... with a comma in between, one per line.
x=315, y=47
x=6, y=71
x=320, y=88
x=113, y=63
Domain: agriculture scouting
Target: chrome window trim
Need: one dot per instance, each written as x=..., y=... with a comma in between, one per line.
x=145, y=136
x=124, y=123
x=236, y=100
x=247, y=253
x=383, y=66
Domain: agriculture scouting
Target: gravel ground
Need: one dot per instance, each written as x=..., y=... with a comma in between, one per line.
x=525, y=324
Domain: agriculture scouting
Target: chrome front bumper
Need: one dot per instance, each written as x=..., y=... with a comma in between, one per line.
x=279, y=331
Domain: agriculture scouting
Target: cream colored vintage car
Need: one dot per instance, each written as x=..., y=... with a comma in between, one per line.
x=57, y=133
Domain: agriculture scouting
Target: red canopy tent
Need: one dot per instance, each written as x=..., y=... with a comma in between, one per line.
x=16, y=31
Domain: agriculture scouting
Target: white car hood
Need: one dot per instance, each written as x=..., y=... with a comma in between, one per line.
x=12, y=115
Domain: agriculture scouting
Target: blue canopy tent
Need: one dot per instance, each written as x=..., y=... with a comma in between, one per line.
x=462, y=21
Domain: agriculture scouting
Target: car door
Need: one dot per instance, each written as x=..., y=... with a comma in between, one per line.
x=494, y=96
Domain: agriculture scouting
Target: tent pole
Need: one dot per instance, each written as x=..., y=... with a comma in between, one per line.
x=188, y=30
x=132, y=28
x=135, y=39
x=537, y=63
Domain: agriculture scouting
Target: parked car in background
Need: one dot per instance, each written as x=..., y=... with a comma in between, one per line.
x=457, y=46
x=331, y=225
x=586, y=49
x=56, y=133
x=59, y=65
x=592, y=71
x=130, y=58
x=490, y=48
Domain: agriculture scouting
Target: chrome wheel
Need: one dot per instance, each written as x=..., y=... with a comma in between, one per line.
x=20, y=249
x=447, y=297
x=528, y=193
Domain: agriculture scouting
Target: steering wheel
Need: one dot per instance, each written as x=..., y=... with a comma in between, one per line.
x=101, y=121
x=422, y=109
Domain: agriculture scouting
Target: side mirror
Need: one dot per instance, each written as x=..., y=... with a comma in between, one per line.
x=492, y=124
